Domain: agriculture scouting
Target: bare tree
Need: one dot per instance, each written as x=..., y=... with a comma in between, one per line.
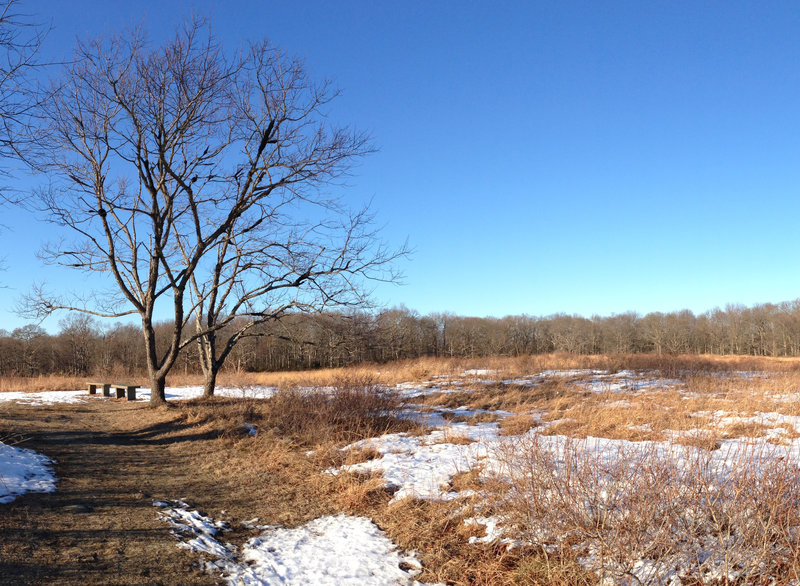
x=193, y=179
x=269, y=266
x=20, y=40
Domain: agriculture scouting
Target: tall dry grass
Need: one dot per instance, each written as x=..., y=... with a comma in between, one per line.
x=642, y=516
x=350, y=409
x=41, y=383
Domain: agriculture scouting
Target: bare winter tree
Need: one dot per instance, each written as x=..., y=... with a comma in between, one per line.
x=191, y=181
x=20, y=40
x=269, y=265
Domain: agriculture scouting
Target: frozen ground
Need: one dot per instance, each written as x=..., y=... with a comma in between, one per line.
x=345, y=550
x=45, y=397
x=24, y=471
x=334, y=550
x=172, y=394
x=422, y=466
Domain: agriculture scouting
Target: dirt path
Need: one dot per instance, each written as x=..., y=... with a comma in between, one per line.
x=100, y=526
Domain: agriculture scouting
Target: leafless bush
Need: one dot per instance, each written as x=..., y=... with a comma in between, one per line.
x=352, y=408
x=652, y=513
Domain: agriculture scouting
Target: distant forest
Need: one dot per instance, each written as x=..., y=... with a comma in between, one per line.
x=305, y=341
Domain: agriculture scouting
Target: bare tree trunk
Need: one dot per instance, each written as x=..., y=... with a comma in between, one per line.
x=210, y=381
x=208, y=361
x=158, y=376
x=157, y=387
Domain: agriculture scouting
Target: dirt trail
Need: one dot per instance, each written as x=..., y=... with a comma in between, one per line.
x=100, y=526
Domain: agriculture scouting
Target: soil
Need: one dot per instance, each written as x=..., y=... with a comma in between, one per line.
x=100, y=526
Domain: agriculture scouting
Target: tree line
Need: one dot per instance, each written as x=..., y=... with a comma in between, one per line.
x=84, y=346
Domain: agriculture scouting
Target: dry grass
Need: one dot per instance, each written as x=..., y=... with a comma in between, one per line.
x=508, y=397
x=436, y=531
x=349, y=410
x=637, y=420
x=451, y=436
x=672, y=509
x=517, y=424
x=697, y=401
x=743, y=522
x=703, y=404
x=501, y=367
x=279, y=474
x=41, y=383
x=472, y=419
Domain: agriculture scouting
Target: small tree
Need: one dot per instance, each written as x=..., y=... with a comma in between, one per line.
x=193, y=178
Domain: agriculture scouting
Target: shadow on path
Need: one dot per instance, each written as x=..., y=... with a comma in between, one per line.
x=100, y=526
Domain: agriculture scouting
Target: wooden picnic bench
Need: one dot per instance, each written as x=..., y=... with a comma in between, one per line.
x=120, y=390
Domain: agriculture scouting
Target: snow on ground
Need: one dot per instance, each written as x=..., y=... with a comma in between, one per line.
x=45, y=397
x=442, y=416
x=331, y=550
x=143, y=394
x=22, y=471
x=352, y=550
x=421, y=466
x=592, y=380
x=626, y=381
x=478, y=372
x=572, y=373
x=183, y=393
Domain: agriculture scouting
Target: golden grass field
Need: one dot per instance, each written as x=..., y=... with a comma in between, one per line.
x=116, y=456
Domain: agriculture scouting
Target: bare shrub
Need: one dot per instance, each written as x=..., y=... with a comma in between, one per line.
x=645, y=513
x=351, y=409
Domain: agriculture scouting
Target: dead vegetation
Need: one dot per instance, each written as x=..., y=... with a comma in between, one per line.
x=211, y=459
x=350, y=409
x=518, y=424
x=670, y=508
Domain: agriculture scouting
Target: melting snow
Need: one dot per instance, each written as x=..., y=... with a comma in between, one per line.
x=171, y=393
x=22, y=471
x=330, y=550
x=478, y=372
x=45, y=397
x=422, y=466
x=352, y=550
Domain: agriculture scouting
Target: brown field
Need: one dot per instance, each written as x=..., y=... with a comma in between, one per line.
x=115, y=458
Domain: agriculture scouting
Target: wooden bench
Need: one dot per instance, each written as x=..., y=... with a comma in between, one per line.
x=119, y=390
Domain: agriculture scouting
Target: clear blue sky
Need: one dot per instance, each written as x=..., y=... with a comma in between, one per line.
x=541, y=157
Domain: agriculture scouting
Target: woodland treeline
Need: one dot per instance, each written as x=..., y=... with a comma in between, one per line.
x=301, y=341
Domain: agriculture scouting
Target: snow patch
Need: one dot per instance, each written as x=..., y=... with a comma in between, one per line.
x=44, y=397
x=23, y=470
x=143, y=394
x=336, y=549
x=422, y=466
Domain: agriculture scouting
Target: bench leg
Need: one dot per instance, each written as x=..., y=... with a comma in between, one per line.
x=92, y=389
x=107, y=390
x=131, y=393
x=120, y=392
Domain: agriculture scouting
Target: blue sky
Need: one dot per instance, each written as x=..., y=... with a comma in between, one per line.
x=540, y=157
